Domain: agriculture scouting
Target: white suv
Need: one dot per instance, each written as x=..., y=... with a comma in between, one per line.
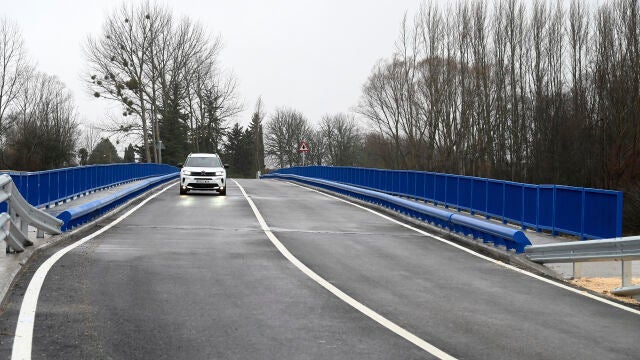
x=203, y=172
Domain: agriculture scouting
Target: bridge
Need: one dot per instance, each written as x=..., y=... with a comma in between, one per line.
x=277, y=270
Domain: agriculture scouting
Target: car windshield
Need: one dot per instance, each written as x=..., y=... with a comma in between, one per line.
x=203, y=162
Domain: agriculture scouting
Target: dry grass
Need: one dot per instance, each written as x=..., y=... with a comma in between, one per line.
x=604, y=285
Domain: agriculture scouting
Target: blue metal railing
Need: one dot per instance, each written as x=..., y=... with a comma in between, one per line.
x=85, y=212
x=489, y=232
x=584, y=212
x=44, y=188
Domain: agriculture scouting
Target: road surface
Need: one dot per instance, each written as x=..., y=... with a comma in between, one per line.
x=197, y=277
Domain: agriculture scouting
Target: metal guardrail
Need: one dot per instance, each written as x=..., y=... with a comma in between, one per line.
x=50, y=187
x=15, y=222
x=624, y=249
x=584, y=212
x=80, y=214
x=490, y=233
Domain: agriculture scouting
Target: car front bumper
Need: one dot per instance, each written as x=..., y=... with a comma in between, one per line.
x=202, y=182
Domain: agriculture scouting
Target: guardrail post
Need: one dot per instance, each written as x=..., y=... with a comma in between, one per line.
x=538, y=228
x=577, y=270
x=24, y=226
x=626, y=273
x=553, y=213
x=504, y=201
x=619, y=211
x=584, y=197
x=486, y=200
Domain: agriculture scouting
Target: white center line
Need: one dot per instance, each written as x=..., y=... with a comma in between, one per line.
x=339, y=293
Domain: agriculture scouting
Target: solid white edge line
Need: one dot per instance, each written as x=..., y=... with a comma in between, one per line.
x=497, y=262
x=23, y=339
x=339, y=293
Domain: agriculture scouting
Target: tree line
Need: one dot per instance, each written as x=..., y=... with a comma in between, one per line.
x=538, y=92
x=38, y=117
x=533, y=91
x=525, y=91
x=164, y=74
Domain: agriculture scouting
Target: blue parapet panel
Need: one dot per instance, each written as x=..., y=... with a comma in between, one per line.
x=451, y=190
x=440, y=188
x=49, y=187
x=465, y=193
x=411, y=183
x=568, y=210
x=495, y=198
x=395, y=181
x=479, y=201
x=600, y=216
x=530, y=206
x=429, y=186
x=419, y=185
x=588, y=213
x=32, y=188
x=546, y=207
x=513, y=198
x=70, y=184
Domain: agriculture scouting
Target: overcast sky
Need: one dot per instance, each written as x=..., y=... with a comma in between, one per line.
x=312, y=56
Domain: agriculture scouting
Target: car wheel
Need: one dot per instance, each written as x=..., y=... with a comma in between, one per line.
x=183, y=191
x=223, y=192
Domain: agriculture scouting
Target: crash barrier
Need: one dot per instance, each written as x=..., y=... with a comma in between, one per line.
x=47, y=188
x=14, y=224
x=583, y=212
x=80, y=214
x=624, y=249
x=497, y=234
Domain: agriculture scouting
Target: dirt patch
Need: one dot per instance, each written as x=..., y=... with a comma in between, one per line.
x=604, y=285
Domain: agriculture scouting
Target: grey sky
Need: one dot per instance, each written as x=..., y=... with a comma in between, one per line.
x=313, y=56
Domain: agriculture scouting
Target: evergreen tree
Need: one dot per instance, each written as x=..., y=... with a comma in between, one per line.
x=174, y=128
x=255, y=139
x=83, y=154
x=129, y=154
x=104, y=153
x=212, y=130
x=139, y=150
x=238, y=152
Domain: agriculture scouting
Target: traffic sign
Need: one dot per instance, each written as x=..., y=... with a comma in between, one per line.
x=304, y=147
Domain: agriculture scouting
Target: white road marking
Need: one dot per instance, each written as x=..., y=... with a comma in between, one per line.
x=339, y=293
x=23, y=340
x=497, y=262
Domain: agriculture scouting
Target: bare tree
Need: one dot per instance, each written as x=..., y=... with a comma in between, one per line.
x=14, y=70
x=482, y=146
x=165, y=74
x=90, y=136
x=342, y=139
x=380, y=104
x=118, y=62
x=45, y=132
x=284, y=131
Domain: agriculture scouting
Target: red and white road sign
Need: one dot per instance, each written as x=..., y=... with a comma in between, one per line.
x=304, y=147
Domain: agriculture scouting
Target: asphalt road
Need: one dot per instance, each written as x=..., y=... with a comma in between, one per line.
x=195, y=277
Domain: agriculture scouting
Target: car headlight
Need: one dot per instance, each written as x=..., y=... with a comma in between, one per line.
x=184, y=172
